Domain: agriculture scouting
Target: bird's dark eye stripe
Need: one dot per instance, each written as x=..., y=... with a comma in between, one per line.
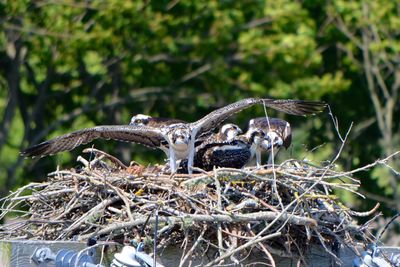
x=164, y=143
x=254, y=134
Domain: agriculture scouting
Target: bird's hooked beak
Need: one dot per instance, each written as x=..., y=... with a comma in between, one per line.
x=266, y=144
x=181, y=140
x=278, y=142
x=274, y=139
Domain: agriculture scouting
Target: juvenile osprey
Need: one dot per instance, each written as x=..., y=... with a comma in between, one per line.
x=228, y=132
x=157, y=122
x=227, y=149
x=278, y=133
x=181, y=136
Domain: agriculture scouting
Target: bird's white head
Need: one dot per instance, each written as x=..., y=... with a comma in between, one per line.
x=274, y=139
x=251, y=123
x=230, y=131
x=140, y=120
x=258, y=139
x=180, y=138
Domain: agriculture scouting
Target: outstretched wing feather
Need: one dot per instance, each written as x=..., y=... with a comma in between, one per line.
x=268, y=122
x=216, y=117
x=289, y=106
x=148, y=136
x=143, y=135
x=296, y=107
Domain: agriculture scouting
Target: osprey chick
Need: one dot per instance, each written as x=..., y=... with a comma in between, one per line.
x=278, y=133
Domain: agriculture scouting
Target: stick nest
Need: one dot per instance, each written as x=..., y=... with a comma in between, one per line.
x=280, y=210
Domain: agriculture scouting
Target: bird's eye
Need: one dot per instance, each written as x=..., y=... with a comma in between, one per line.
x=138, y=120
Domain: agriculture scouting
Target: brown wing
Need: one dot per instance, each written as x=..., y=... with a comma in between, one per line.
x=289, y=106
x=157, y=121
x=265, y=123
x=216, y=117
x=295, y=107
x=147, y=136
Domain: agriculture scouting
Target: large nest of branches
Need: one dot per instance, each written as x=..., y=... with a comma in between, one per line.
x=279, y=210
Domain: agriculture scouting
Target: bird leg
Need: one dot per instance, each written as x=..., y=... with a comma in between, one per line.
x=265, y=145
x=258, y=158
x=172, y=160
x=270, y=157
x=272, y=154
x=191, y=154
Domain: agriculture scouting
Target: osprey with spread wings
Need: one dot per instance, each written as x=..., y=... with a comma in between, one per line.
x=176, y=137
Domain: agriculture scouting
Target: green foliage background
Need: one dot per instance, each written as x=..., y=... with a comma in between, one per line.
x=65, y=65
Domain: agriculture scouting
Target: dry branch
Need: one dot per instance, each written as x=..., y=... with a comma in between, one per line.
x=227, y=210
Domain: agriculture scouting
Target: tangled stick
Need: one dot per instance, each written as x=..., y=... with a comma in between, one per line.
x=231, y=211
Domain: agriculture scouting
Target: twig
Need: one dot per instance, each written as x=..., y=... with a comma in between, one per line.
x=215, y=210
x=110, y=157
x=246, y=245
x=89, y=214
x=191, y=250
x=219, y=205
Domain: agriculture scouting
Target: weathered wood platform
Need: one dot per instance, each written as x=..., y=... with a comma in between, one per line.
x=18, y=253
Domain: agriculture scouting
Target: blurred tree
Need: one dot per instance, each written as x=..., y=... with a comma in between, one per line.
x=70, y=65
x=369, y=50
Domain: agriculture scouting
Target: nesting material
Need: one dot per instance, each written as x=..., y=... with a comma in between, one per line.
x=279, y=210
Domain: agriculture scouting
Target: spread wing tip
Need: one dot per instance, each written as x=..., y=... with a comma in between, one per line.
x=39, y=150
x=312, y=107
